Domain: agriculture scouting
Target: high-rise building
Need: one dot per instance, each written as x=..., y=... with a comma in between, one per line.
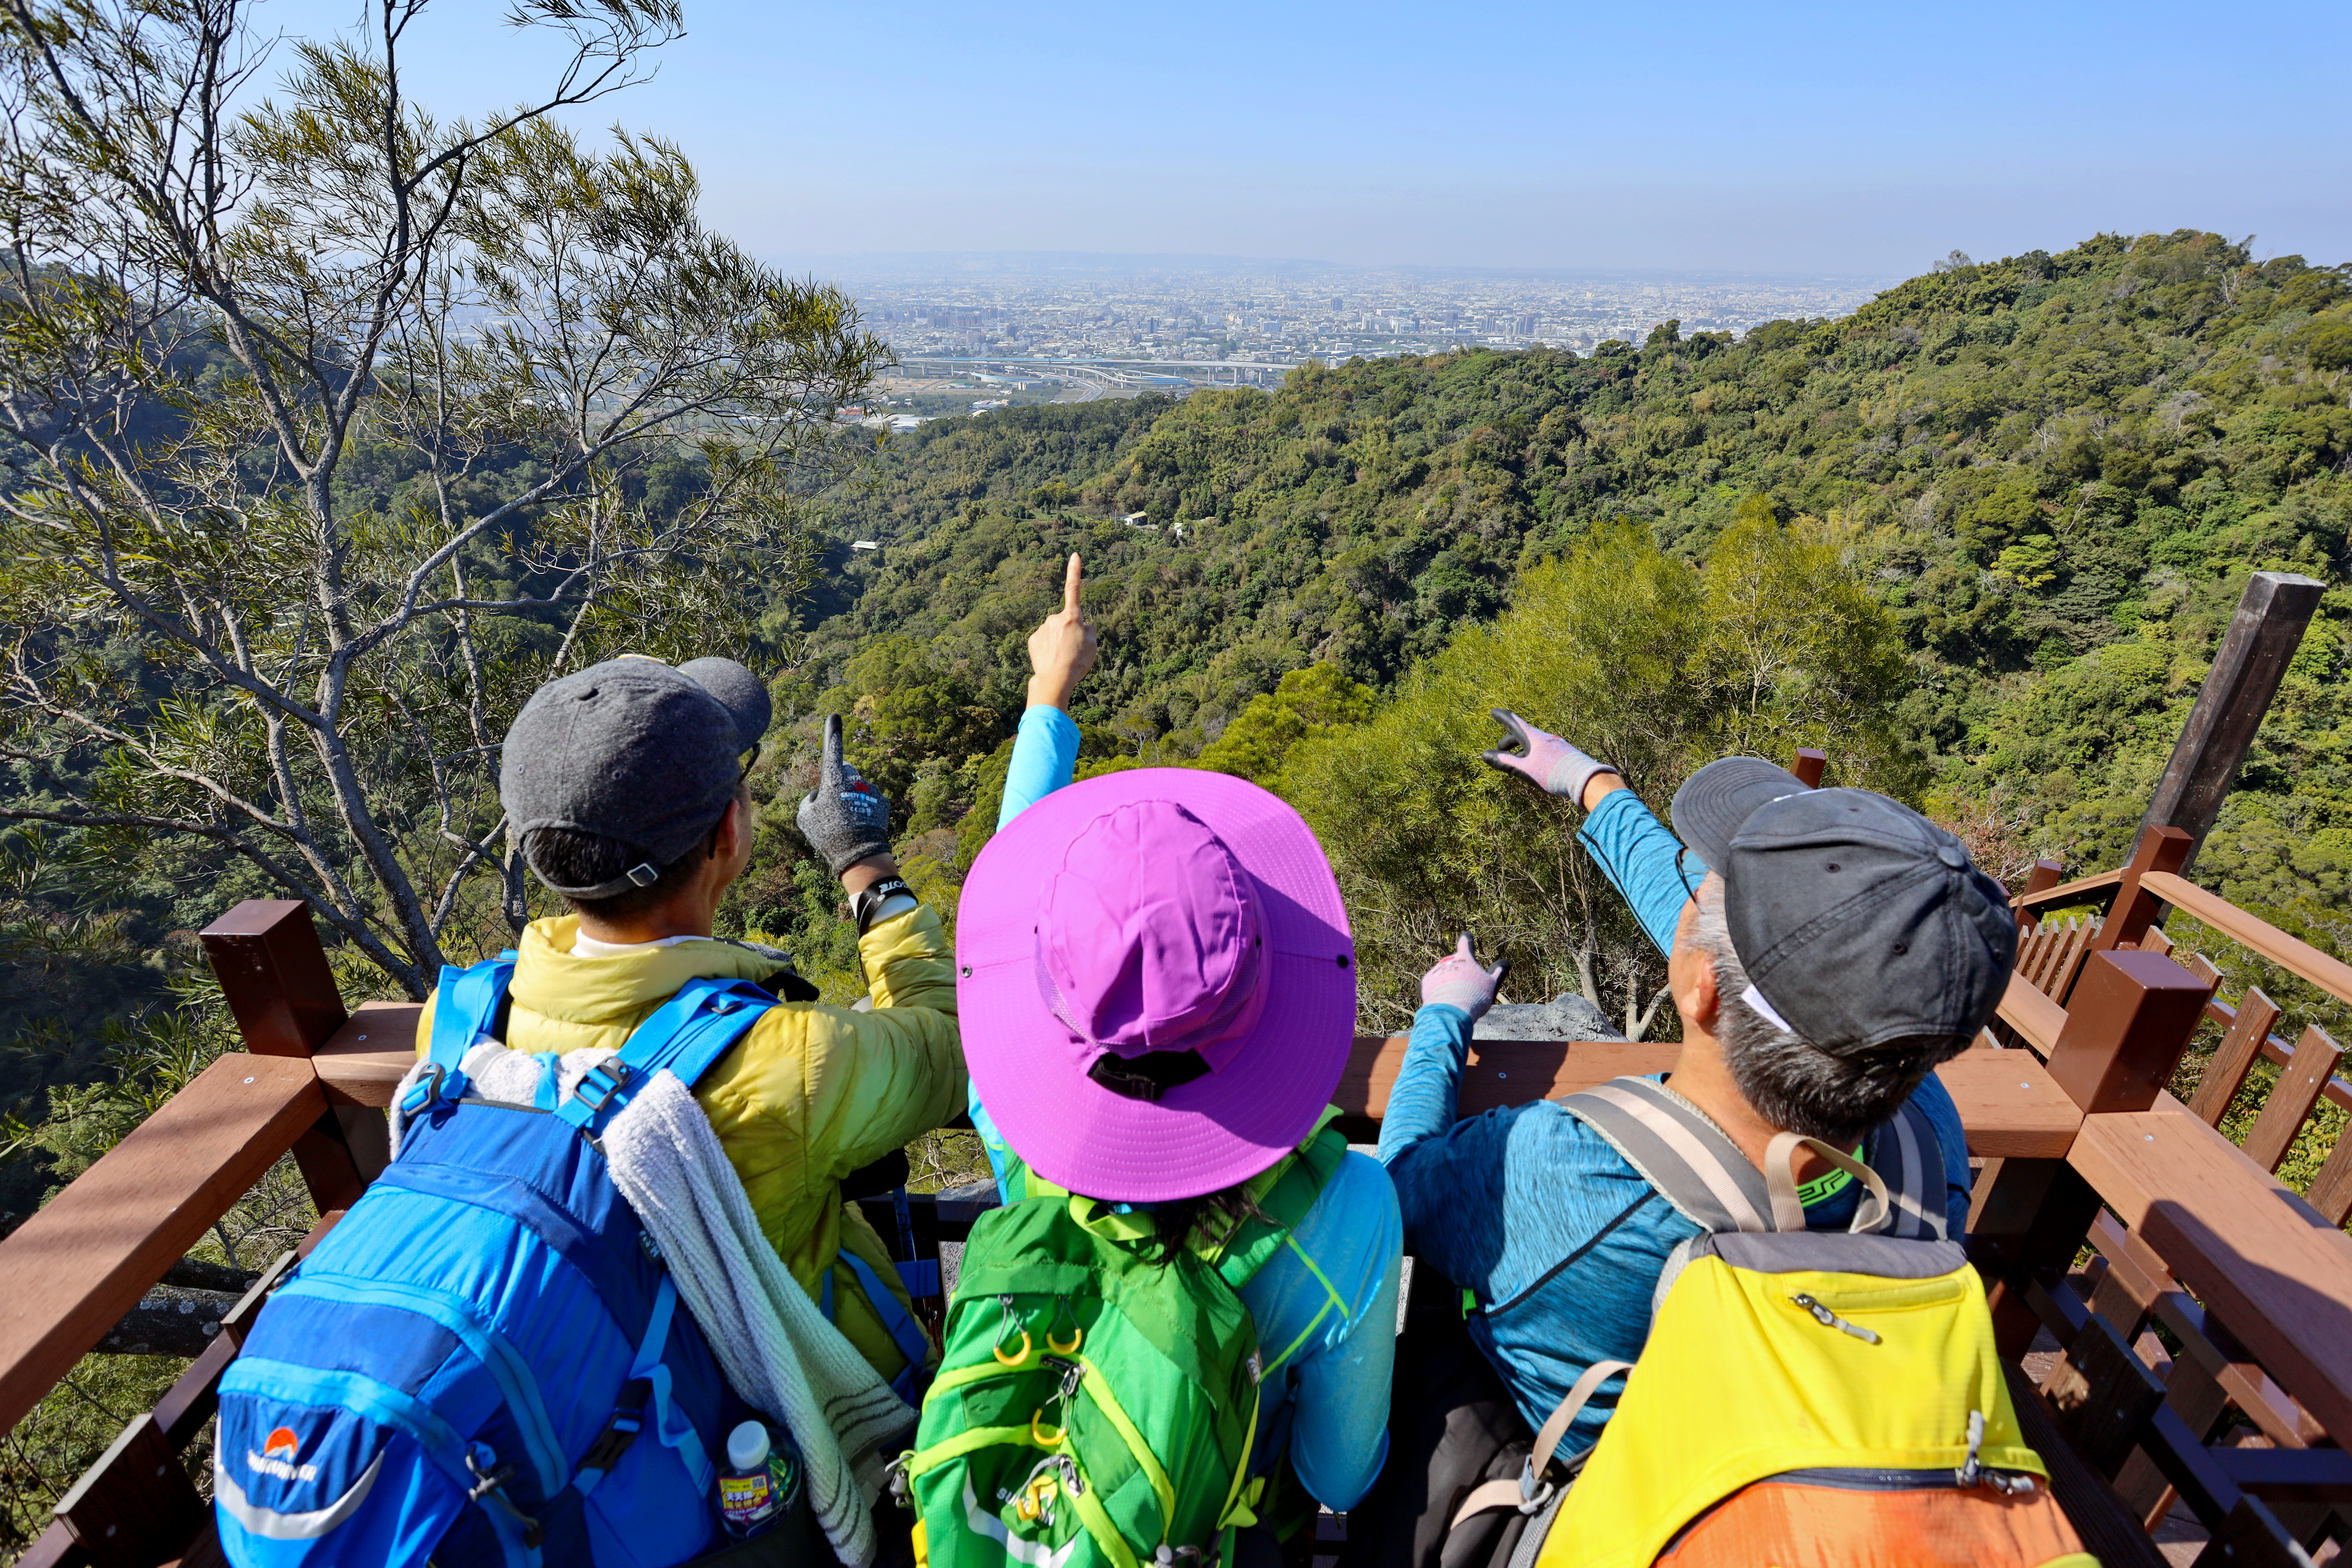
x=1527, y=326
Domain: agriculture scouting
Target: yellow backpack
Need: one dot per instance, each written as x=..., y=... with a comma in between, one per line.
x=1804, y=1396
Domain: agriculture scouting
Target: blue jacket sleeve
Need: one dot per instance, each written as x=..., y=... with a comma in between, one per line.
x=1648, y=864
x=1326, y=1309
x=1044, y=751
x=1429, y=1086
x=1450, y=1174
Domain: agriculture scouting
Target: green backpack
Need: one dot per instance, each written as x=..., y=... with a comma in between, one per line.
x=1095, y=1405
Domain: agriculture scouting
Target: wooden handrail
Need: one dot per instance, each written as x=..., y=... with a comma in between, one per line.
x=2098, y=889
x=2253, y=1251
x=85, y=1260
x=2332, y=975
x=2008, y=1101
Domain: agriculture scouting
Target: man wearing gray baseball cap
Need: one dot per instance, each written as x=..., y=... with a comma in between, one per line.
x=626, y=785
x=1827, y=950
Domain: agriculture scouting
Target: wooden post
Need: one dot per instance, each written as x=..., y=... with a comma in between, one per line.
x=275, y=977
x=2129, y=1021
x=2027, y=1215
x=2261, y=639
x=2159, y=849
x=2044, y=876
x=1808, y=765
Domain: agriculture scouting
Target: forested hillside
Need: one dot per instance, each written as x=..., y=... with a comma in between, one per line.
x=1987, y=530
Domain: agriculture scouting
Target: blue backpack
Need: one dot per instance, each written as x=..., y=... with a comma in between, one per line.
x=484, y=1361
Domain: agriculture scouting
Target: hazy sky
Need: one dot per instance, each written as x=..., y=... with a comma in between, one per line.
x=1846, y=139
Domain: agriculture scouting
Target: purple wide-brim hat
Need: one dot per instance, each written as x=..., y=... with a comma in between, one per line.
x=1155, y=909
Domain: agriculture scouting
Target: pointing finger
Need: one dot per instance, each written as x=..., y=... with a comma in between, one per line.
x=829, y=765
x=1070, y=605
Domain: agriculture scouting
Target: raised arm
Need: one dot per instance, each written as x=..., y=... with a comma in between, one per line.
x=1046, y=750
x=1637, y=852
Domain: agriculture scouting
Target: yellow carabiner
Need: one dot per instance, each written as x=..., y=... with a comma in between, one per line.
x=1039, y=1438
x=1002, y=1359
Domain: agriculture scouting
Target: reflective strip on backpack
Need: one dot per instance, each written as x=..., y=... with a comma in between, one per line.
x=517, y=1388
x=359, y=1393
x=272, y=1525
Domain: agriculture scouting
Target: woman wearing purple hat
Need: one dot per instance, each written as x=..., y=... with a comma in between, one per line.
x=1157, y=995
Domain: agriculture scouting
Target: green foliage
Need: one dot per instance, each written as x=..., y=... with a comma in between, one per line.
x=1644, y=661
x=1307, y=703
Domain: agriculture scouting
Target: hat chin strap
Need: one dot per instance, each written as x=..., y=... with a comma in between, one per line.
x=1147, y=1077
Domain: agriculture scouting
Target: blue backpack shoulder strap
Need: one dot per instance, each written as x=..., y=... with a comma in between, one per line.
x=466, y=1003
x=685, y=1034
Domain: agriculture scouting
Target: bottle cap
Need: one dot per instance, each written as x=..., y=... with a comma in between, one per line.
x=747, y=1446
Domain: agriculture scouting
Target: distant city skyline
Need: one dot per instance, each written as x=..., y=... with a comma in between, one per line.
x=1840, y=138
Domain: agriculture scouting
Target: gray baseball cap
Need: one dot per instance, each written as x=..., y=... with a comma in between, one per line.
x=1859, y=922
x=633, y=750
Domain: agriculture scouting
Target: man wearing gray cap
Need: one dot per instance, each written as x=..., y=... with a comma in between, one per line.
x=625, y=786
x=1827, y=949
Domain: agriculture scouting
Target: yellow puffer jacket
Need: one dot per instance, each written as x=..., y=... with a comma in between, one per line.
x=812, y=1093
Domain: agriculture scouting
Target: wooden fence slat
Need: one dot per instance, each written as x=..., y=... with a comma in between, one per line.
x=2253, y=1537
x=2082, y=941
x=2249, y=1248
x=2107, y=1529
x=135, y=1507
x=2332, y=975
x=75, y=1268
x=2225, y=1075
x=2102, y=1395
x=2331, y=1190
x=2297, y=1090
x=2207, y=1348
x=2046, y=938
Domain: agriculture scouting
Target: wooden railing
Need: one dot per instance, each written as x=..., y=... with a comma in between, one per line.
x=2080, y=1147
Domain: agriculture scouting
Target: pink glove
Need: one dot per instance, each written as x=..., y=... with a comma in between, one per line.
x=1553, y=763
x=1456, y=981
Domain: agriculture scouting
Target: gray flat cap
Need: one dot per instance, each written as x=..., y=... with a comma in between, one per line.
x=634, y=750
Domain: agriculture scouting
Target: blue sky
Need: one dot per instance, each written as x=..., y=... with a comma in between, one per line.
x=1818, y=138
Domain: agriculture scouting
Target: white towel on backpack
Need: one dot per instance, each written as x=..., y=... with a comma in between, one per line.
x=775, y=1347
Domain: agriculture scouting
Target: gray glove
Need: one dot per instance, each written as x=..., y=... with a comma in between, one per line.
x=1554, y=765
x=844, y=818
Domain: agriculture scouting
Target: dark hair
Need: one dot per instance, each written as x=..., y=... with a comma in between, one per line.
x=582, y=859
x=1215, y=1217
x=1793, y=1083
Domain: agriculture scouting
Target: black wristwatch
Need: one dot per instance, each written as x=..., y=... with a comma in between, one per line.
x=863, y=908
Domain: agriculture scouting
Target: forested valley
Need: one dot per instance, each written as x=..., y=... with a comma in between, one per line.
x=1977, y=540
